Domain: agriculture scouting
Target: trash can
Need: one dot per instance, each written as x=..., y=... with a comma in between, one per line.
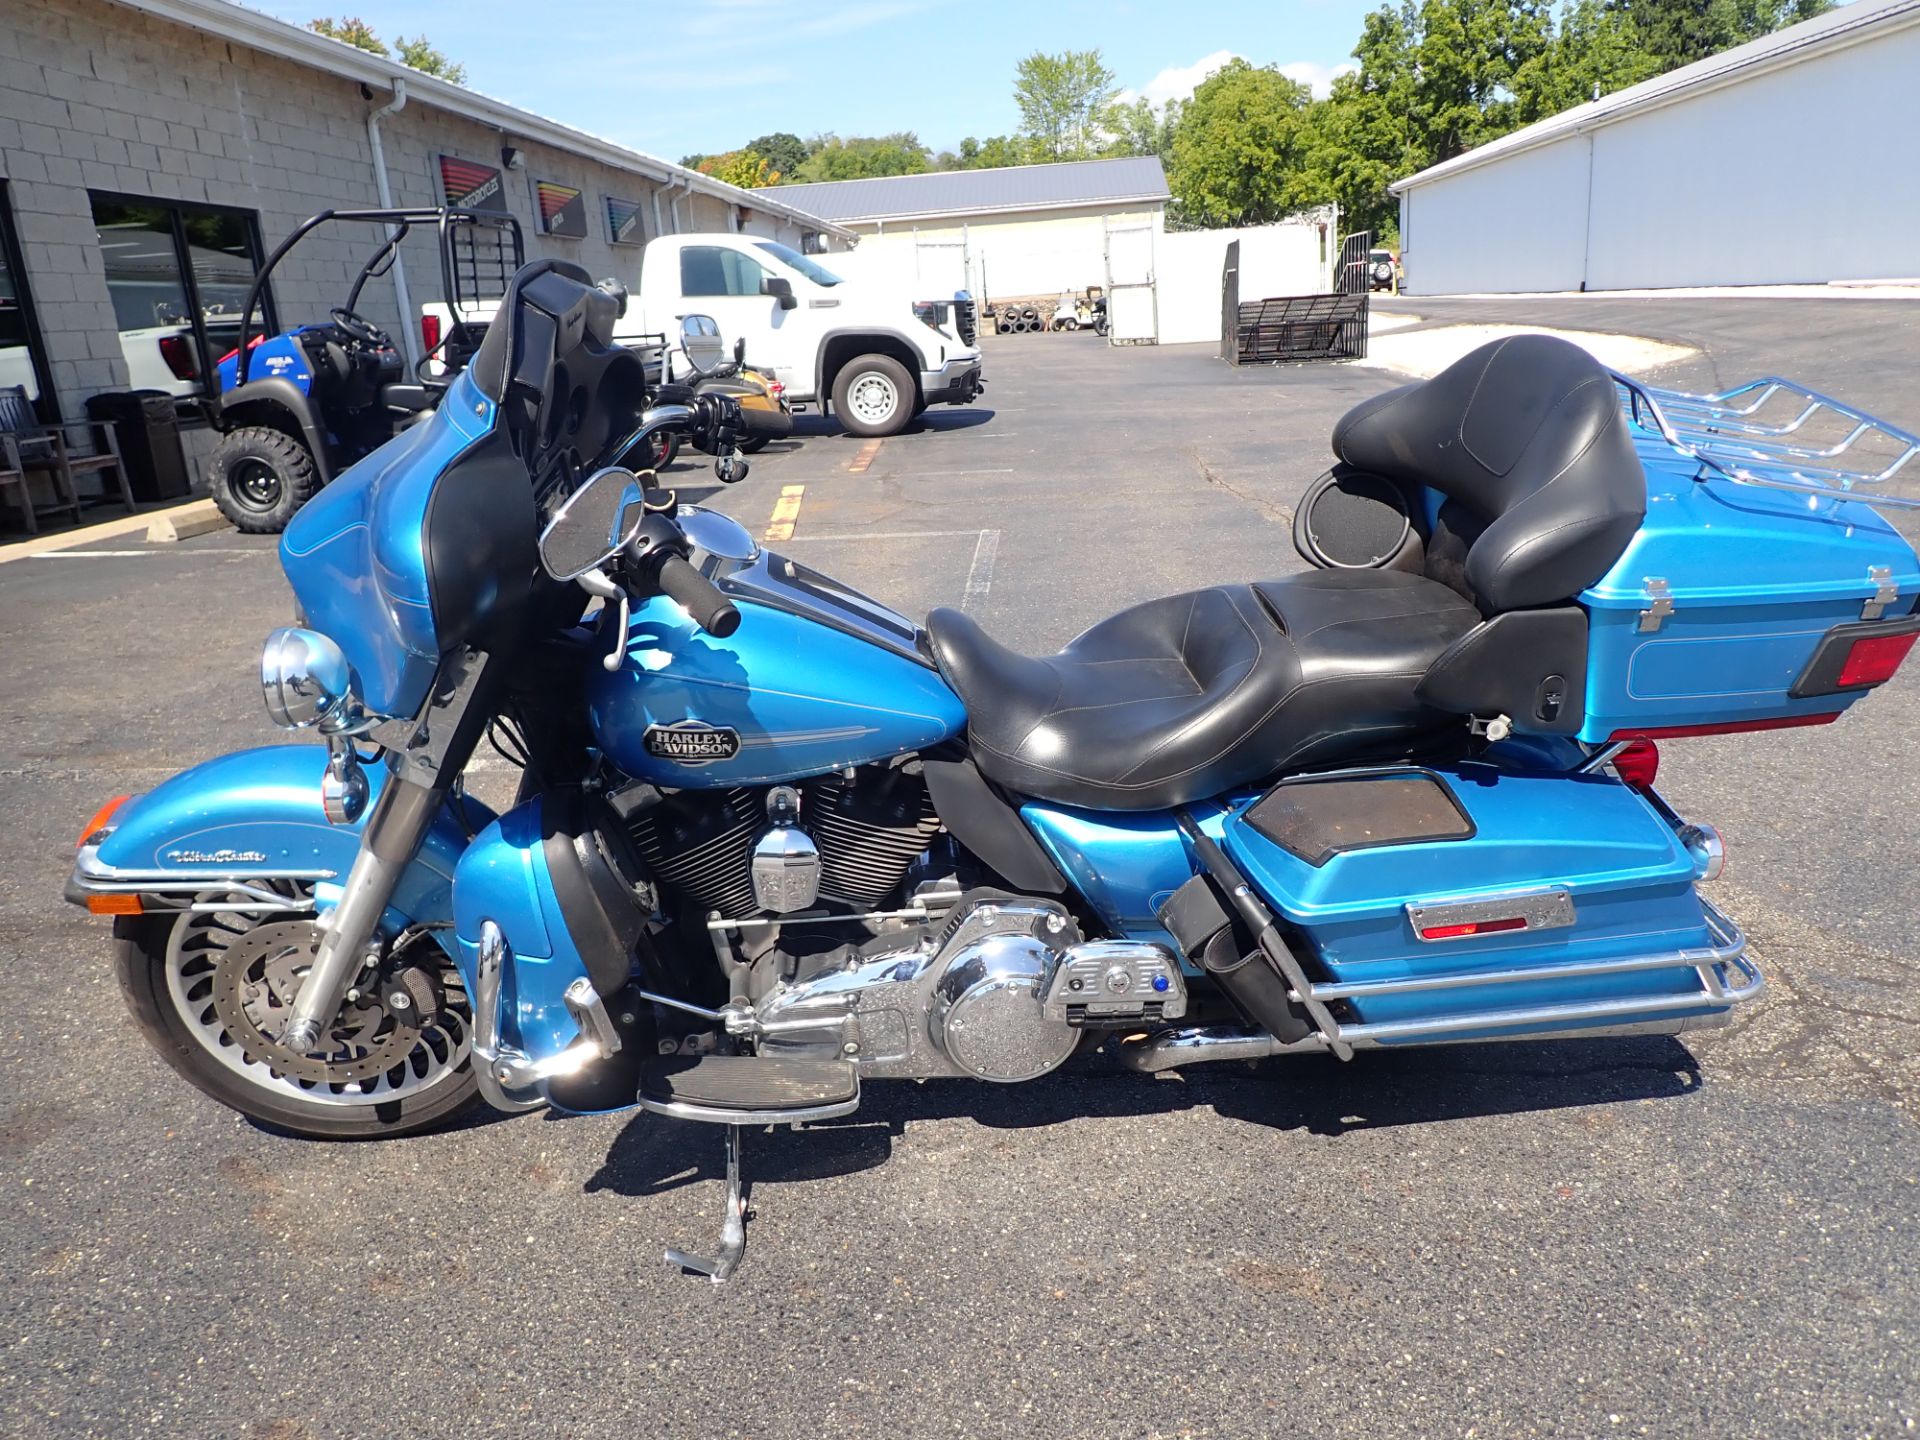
x=148, y=433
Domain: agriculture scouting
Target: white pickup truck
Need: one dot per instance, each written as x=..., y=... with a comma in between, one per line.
x=874, y=353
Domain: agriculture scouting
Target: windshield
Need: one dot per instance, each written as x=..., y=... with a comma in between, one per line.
x=786, y=255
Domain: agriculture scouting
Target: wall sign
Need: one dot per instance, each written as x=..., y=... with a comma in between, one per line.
x=623, y=222
x=563, y=210
x=471, y=185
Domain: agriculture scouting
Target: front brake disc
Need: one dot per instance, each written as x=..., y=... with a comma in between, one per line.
x=254, y=984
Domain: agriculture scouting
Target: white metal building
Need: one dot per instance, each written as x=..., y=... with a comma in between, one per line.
x=1790, y=159
x=1020, y=231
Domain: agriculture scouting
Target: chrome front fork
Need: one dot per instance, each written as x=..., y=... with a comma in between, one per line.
x=348, y=932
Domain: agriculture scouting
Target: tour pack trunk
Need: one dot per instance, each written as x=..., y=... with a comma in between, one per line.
x=1719, y=614
x=1479, y=901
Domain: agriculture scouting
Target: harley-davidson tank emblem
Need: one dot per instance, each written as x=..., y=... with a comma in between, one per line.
x=215, y=857
x=688, y=742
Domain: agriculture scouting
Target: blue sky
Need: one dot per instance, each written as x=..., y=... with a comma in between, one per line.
x=711, y=74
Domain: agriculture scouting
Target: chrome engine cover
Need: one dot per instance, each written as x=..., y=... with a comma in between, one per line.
x=983, y=998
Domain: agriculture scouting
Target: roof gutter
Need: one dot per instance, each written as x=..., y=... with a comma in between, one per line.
x=1834, y=38
x=408, y=332
x=241, y=26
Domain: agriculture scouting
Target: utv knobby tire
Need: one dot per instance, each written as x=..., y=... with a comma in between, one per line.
x=865, y=377
x=260, y=477
x=139, y=960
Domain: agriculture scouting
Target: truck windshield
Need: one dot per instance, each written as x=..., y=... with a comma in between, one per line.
x=817, y=273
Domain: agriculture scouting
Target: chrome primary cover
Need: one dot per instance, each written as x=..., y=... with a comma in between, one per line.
x=991, y=996
x=987, y=1012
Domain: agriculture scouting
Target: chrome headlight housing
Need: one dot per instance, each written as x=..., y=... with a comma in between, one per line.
x=308, y=684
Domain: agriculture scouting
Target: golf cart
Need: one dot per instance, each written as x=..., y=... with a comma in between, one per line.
x=296, y=408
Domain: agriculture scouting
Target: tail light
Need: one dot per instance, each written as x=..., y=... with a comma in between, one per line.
x=1724, y=727
x=1473, y=927
x=177, y=351
x=1639, y=764
x=430, y=332
x=1873, y=659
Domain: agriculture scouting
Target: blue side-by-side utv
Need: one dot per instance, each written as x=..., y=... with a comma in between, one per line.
x=295, y=408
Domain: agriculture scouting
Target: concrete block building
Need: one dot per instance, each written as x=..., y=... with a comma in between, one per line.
x=152, y=152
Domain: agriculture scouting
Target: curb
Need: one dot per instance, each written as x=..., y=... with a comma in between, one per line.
x=176, y=522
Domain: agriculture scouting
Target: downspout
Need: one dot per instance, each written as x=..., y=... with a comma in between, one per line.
x=409, y=322
x=673, y=202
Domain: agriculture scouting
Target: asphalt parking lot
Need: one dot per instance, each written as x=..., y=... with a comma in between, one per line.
x=1628, y=1237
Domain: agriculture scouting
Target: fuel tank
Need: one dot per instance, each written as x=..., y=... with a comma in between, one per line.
x=816, y=678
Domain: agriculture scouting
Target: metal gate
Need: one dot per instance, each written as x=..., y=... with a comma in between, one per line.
x=1133, y=307
x=1355, y=276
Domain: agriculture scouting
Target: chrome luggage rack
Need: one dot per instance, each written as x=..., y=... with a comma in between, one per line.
x=1780, y=434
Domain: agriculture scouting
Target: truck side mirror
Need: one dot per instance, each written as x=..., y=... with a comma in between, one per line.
x=781, y=289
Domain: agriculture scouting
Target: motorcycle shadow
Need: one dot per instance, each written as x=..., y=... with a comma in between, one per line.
x=1316, y=1094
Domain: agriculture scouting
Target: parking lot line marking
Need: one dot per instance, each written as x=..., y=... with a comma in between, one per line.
x=888, y=535
x=87, y=554
x=860, y=462
x=941, y=474
x=786, y=512
x=980, y=573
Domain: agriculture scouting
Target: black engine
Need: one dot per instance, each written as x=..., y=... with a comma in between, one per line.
x=866, y=826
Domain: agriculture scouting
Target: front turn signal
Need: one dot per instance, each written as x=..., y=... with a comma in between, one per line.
x=102, y=820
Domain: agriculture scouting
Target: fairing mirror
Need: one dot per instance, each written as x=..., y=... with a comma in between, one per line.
x=594, y=524
x=701, y=343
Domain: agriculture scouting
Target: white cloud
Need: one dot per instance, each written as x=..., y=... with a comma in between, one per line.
x=1316, y=77
x=1177, y=82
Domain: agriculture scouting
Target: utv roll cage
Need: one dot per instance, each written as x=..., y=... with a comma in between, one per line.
x=461, y=259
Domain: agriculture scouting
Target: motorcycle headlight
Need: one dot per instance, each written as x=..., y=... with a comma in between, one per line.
x=306, y=681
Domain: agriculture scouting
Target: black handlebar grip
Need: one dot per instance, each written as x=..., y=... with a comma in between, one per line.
x=699, y=597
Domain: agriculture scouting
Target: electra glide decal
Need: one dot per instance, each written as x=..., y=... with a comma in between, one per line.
x=688, y=742
x=215, y=857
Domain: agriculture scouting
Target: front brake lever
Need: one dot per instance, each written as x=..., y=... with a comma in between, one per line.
x=598, y=584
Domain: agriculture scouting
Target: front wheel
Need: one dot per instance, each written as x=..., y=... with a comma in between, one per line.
x=260, y=477
x=874, y=395
x=212, y=991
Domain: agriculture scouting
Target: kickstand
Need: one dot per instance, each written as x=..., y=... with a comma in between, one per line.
x=733, y=1230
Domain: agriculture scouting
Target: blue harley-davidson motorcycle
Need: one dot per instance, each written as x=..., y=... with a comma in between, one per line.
x=774, y=842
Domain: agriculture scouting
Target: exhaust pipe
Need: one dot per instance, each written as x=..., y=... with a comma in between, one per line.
x=1173, y=1048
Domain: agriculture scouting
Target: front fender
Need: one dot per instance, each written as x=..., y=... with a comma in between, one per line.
x=255, y=815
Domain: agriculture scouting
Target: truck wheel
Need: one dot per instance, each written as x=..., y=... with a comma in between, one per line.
x=259, y=477
x=873, y=395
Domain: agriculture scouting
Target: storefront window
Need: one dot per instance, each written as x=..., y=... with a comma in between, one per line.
x=179, y=277
x=17, y=365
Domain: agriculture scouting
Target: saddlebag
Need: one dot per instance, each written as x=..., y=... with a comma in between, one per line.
x=1477, y=902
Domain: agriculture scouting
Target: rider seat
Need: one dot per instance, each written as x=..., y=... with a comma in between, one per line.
x=1190, y=695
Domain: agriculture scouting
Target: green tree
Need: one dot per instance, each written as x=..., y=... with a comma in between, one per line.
x=351, y=31
x=1063, y=100
x=1136, y=128
x=747, y=169
x=1676, y=32
x=996, y=152
x=1238, y=145
x=784, y=151
x=420, y=55
x=417, y=53
x=863, y=157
